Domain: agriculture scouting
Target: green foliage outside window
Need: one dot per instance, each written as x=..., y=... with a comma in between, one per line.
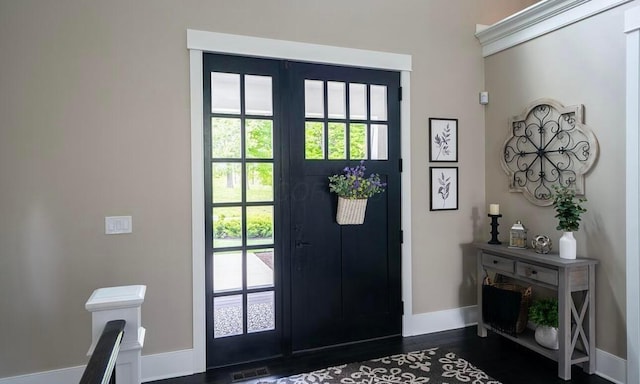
x=258, y=226
x=259, y=139
x=357, y=141
x=337, y=141
x=225, y=143
x=314, y=141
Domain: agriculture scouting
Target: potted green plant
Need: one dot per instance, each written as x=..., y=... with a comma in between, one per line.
x=544, y=313
x=353, y=190
x=568, y=211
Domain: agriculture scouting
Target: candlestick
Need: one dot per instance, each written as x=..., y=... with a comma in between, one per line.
x=494, y=229
x=494, y=209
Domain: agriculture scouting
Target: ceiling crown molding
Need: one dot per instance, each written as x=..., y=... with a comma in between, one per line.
x=541, y=18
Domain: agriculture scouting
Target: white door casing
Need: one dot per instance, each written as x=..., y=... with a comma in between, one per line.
x=202, y=41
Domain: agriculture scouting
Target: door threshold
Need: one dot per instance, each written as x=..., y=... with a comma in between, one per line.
x=347, y=344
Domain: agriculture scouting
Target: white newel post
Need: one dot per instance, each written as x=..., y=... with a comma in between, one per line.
x=115, y=303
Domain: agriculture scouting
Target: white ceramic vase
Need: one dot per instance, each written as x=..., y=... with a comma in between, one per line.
x=547, y=336
x=567, y=246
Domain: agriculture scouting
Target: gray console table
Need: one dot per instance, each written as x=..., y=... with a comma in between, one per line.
x=574, y=283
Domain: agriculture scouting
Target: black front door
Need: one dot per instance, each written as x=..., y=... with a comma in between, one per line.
x=345, y=279
x=281, y=274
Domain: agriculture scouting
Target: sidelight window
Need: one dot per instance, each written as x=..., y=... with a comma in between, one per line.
x=242, y=204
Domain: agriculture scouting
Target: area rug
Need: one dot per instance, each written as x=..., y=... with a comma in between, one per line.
x=430, y=366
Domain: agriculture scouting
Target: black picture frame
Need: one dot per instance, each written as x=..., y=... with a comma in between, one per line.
x=443, y=140
x=443, y=194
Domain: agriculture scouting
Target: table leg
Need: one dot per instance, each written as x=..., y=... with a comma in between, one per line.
x=590, y=366
x=564, y=325
x=482, y=329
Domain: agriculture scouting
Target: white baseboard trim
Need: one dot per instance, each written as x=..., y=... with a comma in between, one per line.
x=448, y=319
x=166, y=365
x=154, y=367
x=57, y=376
x=611, y=367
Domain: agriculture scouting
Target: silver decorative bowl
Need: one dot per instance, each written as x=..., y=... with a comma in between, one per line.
x=541, y=244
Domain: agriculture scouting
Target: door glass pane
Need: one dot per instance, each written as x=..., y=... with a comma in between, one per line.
x=227, y=227
x=226, y=182
x=313, y=140
x=357, y=141
x=336, y=101
x=337, y=141
x=260, y=268
x=227, y=316
x=259, y=139
x=260, y=312
x=379, y=142
x=227, y=271
x=260, y=225
x=225, y=138
x=259, y=182
x=313, y=98
x=378, y=102
x=358, y=101
x=225, y=92
x=258, y=95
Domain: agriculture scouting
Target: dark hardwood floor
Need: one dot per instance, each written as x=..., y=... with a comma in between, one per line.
x=500, y=358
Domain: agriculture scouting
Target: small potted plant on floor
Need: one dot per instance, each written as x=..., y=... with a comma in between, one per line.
x=353, y=190
x=568, y=211
x=544, y=313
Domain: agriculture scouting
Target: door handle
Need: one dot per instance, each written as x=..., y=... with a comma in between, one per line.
x=302, y=244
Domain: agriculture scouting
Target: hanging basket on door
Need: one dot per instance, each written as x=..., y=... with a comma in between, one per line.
x=351, y=211
x=353, y=190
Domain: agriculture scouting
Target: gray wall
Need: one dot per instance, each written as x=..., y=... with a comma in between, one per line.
x=94, y=121
x=583, y=63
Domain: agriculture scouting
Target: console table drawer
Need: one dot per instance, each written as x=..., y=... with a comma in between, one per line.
x=538, y=273
x=498, y=263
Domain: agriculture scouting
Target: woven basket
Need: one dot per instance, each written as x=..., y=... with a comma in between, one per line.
x=351, y=211
x=523, y=315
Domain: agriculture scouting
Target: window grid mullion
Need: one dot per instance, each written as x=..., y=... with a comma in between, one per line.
x=347, y=139
x=325, y=123
x=367, y=127
x=243, y=198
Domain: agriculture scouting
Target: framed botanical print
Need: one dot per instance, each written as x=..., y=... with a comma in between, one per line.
x=444, y=188
x=443, y=140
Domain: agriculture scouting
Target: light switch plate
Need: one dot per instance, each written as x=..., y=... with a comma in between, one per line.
x=115, y=225
x=484, y=98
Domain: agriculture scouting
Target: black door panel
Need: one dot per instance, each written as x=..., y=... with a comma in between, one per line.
x=346, y=279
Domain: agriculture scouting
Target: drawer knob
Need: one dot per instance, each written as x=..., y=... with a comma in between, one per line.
x=534, y=272
x=495, y=261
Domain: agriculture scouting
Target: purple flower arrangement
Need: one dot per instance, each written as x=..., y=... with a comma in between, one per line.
x=353, y=185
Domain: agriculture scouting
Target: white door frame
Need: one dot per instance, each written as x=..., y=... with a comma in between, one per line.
x=201, y=41
x=632, y=29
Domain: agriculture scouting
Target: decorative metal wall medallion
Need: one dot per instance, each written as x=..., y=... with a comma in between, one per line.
x=548, y=145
